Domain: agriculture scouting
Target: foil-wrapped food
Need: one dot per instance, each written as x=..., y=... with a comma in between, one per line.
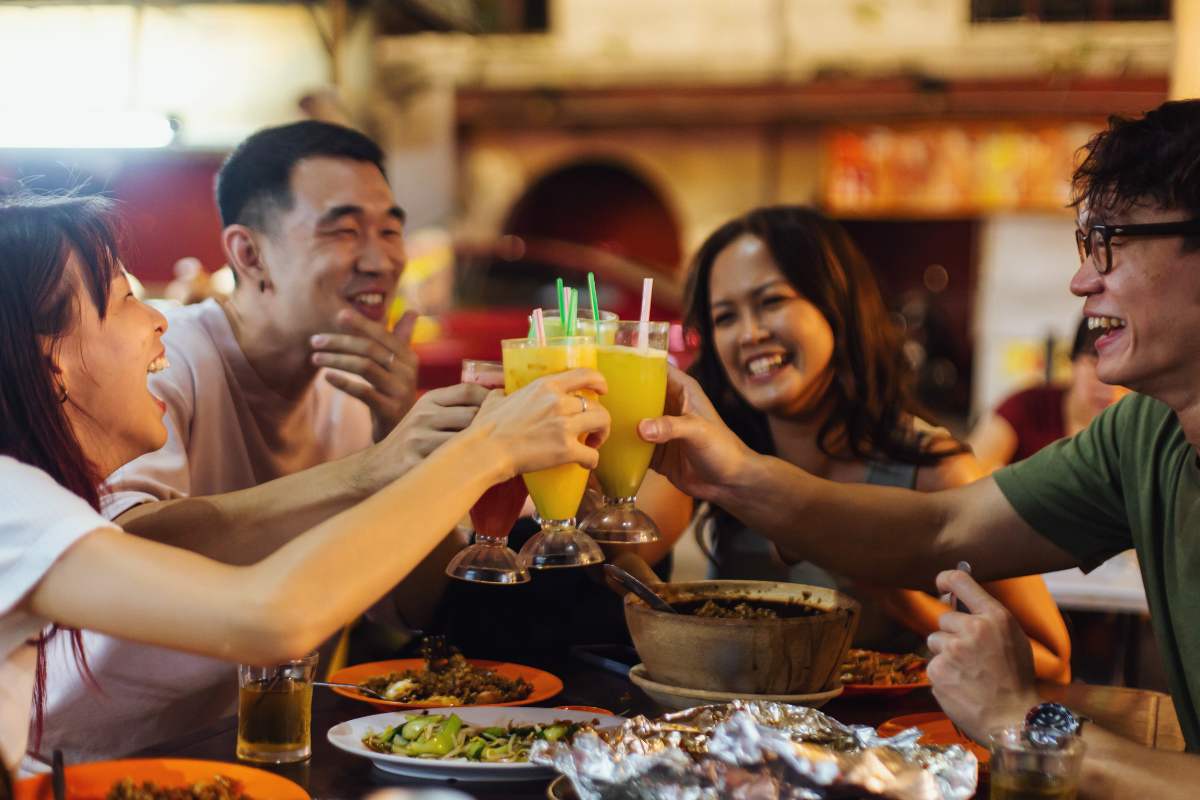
x=757, y=750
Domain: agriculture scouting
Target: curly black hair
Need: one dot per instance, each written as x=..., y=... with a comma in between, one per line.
x=1154, y=157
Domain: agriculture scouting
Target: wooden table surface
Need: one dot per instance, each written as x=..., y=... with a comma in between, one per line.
x=1143, y=716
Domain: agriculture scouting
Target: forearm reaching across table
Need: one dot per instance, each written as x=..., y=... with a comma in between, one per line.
x=879, y=534
x=241, y=527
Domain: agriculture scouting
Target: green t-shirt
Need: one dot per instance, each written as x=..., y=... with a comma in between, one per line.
x=1129, y=479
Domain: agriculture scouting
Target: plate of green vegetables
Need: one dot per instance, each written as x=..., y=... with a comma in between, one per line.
x=481, y=743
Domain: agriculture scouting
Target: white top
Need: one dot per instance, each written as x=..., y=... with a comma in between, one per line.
x=39, y=520
x=226, y=431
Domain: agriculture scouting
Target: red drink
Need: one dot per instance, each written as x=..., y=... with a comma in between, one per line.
x=495, y=513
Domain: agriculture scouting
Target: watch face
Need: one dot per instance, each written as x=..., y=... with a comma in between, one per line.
x=1047, y=723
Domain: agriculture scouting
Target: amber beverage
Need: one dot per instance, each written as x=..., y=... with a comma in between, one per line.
x=275, y=711
x=1024, y=769
x=1032, y=786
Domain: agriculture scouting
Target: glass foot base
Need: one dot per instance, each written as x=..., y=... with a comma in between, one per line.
x=482, y=563
x=559, y=547
x=620, y=522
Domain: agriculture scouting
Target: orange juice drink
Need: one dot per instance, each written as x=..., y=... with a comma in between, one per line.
x=637, y=390
x=557, y=491
x=584, y=325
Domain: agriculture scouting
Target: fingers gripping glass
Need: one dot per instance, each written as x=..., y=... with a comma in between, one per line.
x=489, y=559
x=1096, y=241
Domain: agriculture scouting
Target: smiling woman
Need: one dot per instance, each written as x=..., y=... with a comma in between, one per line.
x=802, y=361
x=76, y=348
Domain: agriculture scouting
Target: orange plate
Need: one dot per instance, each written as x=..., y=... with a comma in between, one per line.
x=588, y=710
x=544, y=684
x=936, y=728
x=92, y=781
x=891, y=691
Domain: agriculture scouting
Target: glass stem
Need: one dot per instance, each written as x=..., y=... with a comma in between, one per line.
x=620, y=501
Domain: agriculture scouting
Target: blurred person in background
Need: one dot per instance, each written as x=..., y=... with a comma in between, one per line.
x=1029, y=420
x=76, y=403
x=286, y=403
x=803, y=363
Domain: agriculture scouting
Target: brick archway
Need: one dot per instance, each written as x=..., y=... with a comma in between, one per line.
x=602, y=204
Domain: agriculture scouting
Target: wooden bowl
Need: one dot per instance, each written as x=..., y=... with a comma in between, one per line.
x=797, y=655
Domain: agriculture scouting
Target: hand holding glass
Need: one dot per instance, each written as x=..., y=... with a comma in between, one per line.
x=634, y=363
x=556, y=492
x=490, y=559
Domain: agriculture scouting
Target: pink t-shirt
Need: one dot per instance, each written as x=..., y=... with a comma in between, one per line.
x=226, y=431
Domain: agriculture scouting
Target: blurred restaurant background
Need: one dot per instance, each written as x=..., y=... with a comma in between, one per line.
x=530, y=138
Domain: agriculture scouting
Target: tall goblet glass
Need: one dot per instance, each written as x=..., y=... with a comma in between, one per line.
x=556, y=491
x=636, y=372
x=603, y=332
x=490, y=559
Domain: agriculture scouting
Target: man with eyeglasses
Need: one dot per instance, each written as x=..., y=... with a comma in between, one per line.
x=1131, y=479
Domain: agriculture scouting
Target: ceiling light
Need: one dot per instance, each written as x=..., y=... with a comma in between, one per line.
x=85, y=129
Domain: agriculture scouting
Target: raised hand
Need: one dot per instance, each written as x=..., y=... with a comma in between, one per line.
x=438, y=415
x=383, y=360
x=548, y=422
x=697, y=452
x=982, y=667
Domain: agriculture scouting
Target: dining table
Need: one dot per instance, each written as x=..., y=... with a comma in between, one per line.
x=1144, y=716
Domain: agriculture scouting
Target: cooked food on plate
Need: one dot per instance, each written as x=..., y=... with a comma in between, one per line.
x=452, y=682
x=219, y=788
x=873, y=668
x=435, y=736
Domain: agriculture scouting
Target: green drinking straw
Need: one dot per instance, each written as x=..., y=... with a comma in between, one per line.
x=562, y=320
x=595, y=302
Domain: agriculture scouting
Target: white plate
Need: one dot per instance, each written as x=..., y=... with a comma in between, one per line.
x=677, y=698
x=348, y=736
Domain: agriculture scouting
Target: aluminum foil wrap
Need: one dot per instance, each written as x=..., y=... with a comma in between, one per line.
x=756, y=751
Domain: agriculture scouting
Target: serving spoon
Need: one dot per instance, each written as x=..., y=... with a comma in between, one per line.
x=353, y=686
x=637, y=587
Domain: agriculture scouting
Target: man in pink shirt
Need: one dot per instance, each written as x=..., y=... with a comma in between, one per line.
x=285, y=404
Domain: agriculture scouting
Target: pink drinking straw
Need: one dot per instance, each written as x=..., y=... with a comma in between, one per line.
x=539, y=327
x=644, y=320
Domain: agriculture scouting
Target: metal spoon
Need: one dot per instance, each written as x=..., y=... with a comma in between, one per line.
x=949, y=598
x=58, y=779
x=955, y=604
x=637, y=587
x=353, y=686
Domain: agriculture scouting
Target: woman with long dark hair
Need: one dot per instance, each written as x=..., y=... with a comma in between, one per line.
x=75, y=349
x=801, y=360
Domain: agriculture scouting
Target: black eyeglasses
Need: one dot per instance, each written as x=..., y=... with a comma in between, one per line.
x=1098, y=238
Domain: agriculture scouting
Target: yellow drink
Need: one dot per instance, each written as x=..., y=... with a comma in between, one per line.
x=584, y=326
x=557, y=491
x=637, y=389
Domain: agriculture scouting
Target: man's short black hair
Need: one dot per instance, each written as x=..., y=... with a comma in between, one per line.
x=256, y=178
x=1156, y=156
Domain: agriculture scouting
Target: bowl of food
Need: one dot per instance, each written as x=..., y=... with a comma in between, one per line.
x=748, y=637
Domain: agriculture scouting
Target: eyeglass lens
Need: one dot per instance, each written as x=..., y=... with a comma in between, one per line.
x=1093, y=245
